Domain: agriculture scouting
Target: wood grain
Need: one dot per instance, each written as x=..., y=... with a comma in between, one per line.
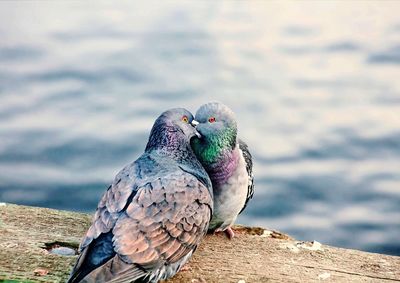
x=254, y=255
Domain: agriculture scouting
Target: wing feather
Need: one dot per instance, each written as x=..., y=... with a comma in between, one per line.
x=249, y=168
x=170, y=235
x=151, y=225
x=95, y=250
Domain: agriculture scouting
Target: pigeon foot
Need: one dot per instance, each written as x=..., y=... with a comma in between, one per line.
x=229, y=233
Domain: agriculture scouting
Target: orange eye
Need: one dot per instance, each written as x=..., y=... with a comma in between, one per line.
x=185, y=119
x=211, y=119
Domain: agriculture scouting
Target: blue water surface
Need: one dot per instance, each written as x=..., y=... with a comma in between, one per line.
x=315, y=87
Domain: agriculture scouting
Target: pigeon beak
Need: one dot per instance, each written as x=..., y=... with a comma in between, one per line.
x=197, y=134
x=194, y=124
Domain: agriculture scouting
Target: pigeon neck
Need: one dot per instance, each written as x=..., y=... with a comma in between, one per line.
x=211, y=149
x=173, y=143
x=169, y=140
x=223, y=168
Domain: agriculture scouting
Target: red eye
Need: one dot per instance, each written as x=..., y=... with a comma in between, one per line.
x=211, y=119
x=185, y=119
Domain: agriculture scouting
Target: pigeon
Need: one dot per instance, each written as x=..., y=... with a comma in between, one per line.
x=227, y=161
x=155, y=213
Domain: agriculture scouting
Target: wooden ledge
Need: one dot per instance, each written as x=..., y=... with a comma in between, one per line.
x=29, y=234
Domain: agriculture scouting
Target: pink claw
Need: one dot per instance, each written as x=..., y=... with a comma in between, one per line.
x=229, y=233
x=186, y=267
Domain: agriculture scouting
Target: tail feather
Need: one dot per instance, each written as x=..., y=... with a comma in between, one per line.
x=77, y=273
x=134, y=274
x=93, y=256
x=116, y=270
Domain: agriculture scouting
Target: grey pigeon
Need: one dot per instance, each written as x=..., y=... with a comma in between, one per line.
x=151, y=219
x=227, y=161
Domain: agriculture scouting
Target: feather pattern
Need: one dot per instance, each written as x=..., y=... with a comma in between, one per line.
x=152, y=217
x=249, y=168
x=228, y=162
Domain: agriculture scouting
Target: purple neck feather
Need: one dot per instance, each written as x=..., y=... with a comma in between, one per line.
x=224, y=168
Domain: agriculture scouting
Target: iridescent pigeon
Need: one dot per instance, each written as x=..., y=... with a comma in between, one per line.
x=227, y=161
x=151, y=219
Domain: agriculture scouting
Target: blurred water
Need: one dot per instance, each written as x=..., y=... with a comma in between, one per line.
x=315, y=85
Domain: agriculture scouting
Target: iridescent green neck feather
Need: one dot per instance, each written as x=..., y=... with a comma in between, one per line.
x=212, y=148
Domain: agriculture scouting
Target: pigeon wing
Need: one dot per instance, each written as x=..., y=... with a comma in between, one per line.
x=96, y=246
x=164, y=222
x=249, y=168
x=114, y=200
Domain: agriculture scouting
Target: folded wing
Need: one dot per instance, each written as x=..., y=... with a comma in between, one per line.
x=149, y=232
x=249, y=168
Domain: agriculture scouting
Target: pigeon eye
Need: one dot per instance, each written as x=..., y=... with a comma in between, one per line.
x=185, y=119
x=211, y=119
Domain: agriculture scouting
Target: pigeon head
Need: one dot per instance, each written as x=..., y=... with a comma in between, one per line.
x=173, y=128
x=218, y=129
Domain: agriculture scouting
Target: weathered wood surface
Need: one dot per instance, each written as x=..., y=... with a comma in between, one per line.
x=254, y=255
